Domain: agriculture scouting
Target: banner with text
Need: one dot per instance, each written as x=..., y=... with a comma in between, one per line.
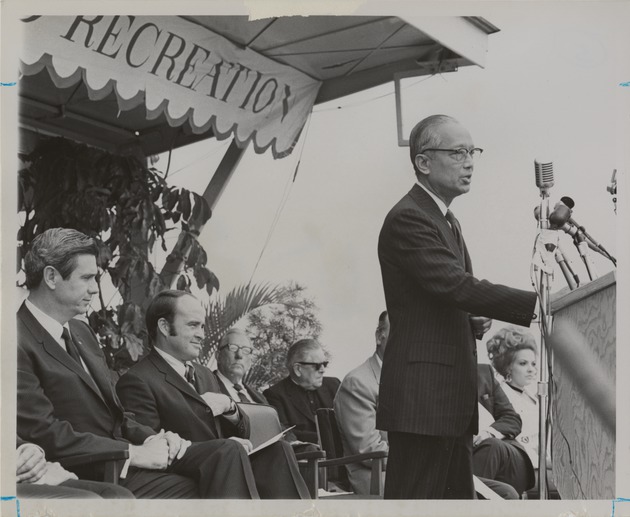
x=174, y=67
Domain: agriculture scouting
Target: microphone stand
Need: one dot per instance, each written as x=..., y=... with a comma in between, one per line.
x=581, y=243
x=544, y=300
x=569, y=275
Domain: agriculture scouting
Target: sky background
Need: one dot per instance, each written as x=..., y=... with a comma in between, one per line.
x=550, y=91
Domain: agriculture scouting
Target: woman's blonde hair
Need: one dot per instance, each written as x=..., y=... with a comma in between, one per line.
x=502, y=347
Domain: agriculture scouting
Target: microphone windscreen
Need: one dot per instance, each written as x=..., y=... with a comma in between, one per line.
x=560, y=215
x=544, y=174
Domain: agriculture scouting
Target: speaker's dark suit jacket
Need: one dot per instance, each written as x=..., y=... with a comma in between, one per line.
x=429, y=376
x=292, y=404
x=161, y=398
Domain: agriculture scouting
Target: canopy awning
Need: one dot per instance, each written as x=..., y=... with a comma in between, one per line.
x=150, y=84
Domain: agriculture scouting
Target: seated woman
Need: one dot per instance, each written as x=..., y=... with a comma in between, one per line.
x=512, y=352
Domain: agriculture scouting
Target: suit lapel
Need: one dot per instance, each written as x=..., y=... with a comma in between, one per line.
x=173, y=378
x=427, y=204
x=255, y=395
x=376, y=368
x=176, y=381
x=100, y=374
x=54, y=349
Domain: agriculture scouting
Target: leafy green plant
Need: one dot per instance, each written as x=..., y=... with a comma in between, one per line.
x=275, y=328
x=223, y=313
x=127, y=208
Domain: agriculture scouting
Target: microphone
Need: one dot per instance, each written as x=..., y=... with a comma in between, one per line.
x=543, y=172
x=612, y=188
x=561, y=219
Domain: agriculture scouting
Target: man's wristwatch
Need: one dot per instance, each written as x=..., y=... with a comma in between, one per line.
x=233, y=408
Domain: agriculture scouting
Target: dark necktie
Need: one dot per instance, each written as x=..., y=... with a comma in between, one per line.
x=190, y=376
x=457, y=230
x=241, y=393
x=71, y=348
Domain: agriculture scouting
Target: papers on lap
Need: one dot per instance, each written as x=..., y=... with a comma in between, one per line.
x=271, y=440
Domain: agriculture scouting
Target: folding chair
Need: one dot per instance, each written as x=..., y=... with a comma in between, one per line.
x=265, y=424
x=334, y=464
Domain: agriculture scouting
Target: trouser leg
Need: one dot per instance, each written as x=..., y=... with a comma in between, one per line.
x=221, y=468
x=277, y=473
x=429, y=467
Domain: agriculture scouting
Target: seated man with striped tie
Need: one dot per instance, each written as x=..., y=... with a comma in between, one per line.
x=167, y=390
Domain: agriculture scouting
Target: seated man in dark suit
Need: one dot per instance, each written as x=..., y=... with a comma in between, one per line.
x=496, y=453
x=297, y=397
x=40, y=479
x=167, y=390
x=67, y=404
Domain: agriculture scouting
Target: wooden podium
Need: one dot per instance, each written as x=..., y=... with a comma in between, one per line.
x=583, y=451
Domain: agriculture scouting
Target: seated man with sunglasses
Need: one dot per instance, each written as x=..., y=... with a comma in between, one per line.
x=305, y=390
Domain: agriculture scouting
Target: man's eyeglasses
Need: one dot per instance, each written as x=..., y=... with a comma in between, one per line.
x=245, y=350
x=317, y=366
x=459, y=155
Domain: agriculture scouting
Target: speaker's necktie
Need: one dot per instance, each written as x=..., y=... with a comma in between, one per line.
x=457, y=230
x=241, y=393
x=71, y=348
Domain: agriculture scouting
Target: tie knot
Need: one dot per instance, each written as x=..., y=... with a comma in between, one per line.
x=238, y=387
x=450, y=217
x=66, y=334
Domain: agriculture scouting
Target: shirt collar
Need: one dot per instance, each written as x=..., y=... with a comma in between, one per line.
x=176, y=364
x=441, y=205
x=51, y=325
x=379, y=360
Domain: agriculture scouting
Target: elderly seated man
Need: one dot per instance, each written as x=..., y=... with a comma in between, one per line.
x=235, y=355
x=298, y=396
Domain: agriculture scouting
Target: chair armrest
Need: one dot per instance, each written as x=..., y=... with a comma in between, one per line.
x=310, y=455
x=109, y=459
x=84, y=459
x=309, y=462
x=356, y=458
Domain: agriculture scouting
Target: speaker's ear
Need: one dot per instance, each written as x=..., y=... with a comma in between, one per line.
x=421, y=162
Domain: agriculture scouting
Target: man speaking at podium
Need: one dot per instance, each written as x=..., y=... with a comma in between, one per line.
x=428, y=390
